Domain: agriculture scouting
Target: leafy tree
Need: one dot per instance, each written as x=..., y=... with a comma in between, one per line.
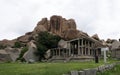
x=45, y=41
x=17, y=45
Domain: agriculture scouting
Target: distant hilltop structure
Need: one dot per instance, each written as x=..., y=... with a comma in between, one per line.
x=78, y=43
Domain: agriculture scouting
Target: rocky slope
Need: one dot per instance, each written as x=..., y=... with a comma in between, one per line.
x=57, y=25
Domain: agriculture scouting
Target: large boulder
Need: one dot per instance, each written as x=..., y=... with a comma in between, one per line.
x=48, y=54
x=13, y=52
x=62, y=44
x=95, y=36
x=59, y=25
x=39, y=28
x=30, y=54
x=71, y=34
x=56, y=25
x=44, y=22
x=4, y=56
x=25, y=38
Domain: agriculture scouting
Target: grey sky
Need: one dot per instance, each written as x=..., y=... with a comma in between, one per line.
x=92, y=16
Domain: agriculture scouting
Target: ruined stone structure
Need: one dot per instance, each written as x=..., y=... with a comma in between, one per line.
x=115, y=49
x=82, y=48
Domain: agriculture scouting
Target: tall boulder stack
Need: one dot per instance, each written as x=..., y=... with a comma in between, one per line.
x=56, y=25
x=59, y=25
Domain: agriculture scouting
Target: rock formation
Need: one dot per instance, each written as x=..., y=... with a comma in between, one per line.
x=95, y=36
x=9, y=54
x=57, y=25
x=4, y=56
x=30, y=54
x=62, y=44
x=13, y=52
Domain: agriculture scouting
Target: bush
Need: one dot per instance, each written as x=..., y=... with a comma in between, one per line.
x=17, y=45
x=45, y=41
x=24, y=49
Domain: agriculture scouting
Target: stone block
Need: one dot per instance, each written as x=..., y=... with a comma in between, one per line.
x=87, y=71
x=74, y=73
x=81, y=72
x=93, y=72
x=65, y=74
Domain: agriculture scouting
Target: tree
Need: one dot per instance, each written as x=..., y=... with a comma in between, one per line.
x=17, y=45
x=45, y=41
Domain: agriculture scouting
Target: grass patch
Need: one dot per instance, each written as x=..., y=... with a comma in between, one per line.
x=44, y=68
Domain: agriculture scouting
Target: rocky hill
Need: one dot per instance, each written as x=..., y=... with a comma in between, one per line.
x=57, y=25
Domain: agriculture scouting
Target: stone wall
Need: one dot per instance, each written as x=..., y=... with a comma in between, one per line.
x=93, y=71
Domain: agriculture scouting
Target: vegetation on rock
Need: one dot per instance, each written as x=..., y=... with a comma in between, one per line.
x=45, y=41
x=2, y=46
x=24, y=49
x=17, y=45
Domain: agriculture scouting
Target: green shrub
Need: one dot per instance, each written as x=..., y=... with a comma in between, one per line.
x=24, y=49
x=45, y=41
x=17, y=45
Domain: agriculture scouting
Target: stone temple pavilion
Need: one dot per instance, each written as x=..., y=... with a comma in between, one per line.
x=82, y=48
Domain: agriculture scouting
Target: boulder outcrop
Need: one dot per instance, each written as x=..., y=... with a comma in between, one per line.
x=4, y=56
x=95, y=36
x=56, y=25
x=9, y=54
x=30, y=54
x=13, y=52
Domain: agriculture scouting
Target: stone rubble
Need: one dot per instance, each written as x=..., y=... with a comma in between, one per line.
x=93, y=71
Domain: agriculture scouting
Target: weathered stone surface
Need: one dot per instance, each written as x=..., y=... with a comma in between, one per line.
x=25, y=38
x=13, y=52
x=30, y=54
x=71, y=34
x=44, y=22
x=81, y=72
x=39, y=28
x=8, y=43
x=93, y=72
x=56, y=25
x=74, y=73
x=59, y=25
x=62, y=44
x=95, y=36
x=48, y=54
x=87, y=71
x=4, y=56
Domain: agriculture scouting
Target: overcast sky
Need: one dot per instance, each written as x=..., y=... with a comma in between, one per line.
x=92, y=16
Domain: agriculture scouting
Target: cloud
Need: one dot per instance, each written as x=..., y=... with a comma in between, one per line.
x=92, y=16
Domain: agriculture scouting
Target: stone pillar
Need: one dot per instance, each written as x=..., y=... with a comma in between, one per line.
x=69, y=47
x=82, y=47
x=59, y=51
x=88, y=47
x=56, y=52
x=78, y=46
